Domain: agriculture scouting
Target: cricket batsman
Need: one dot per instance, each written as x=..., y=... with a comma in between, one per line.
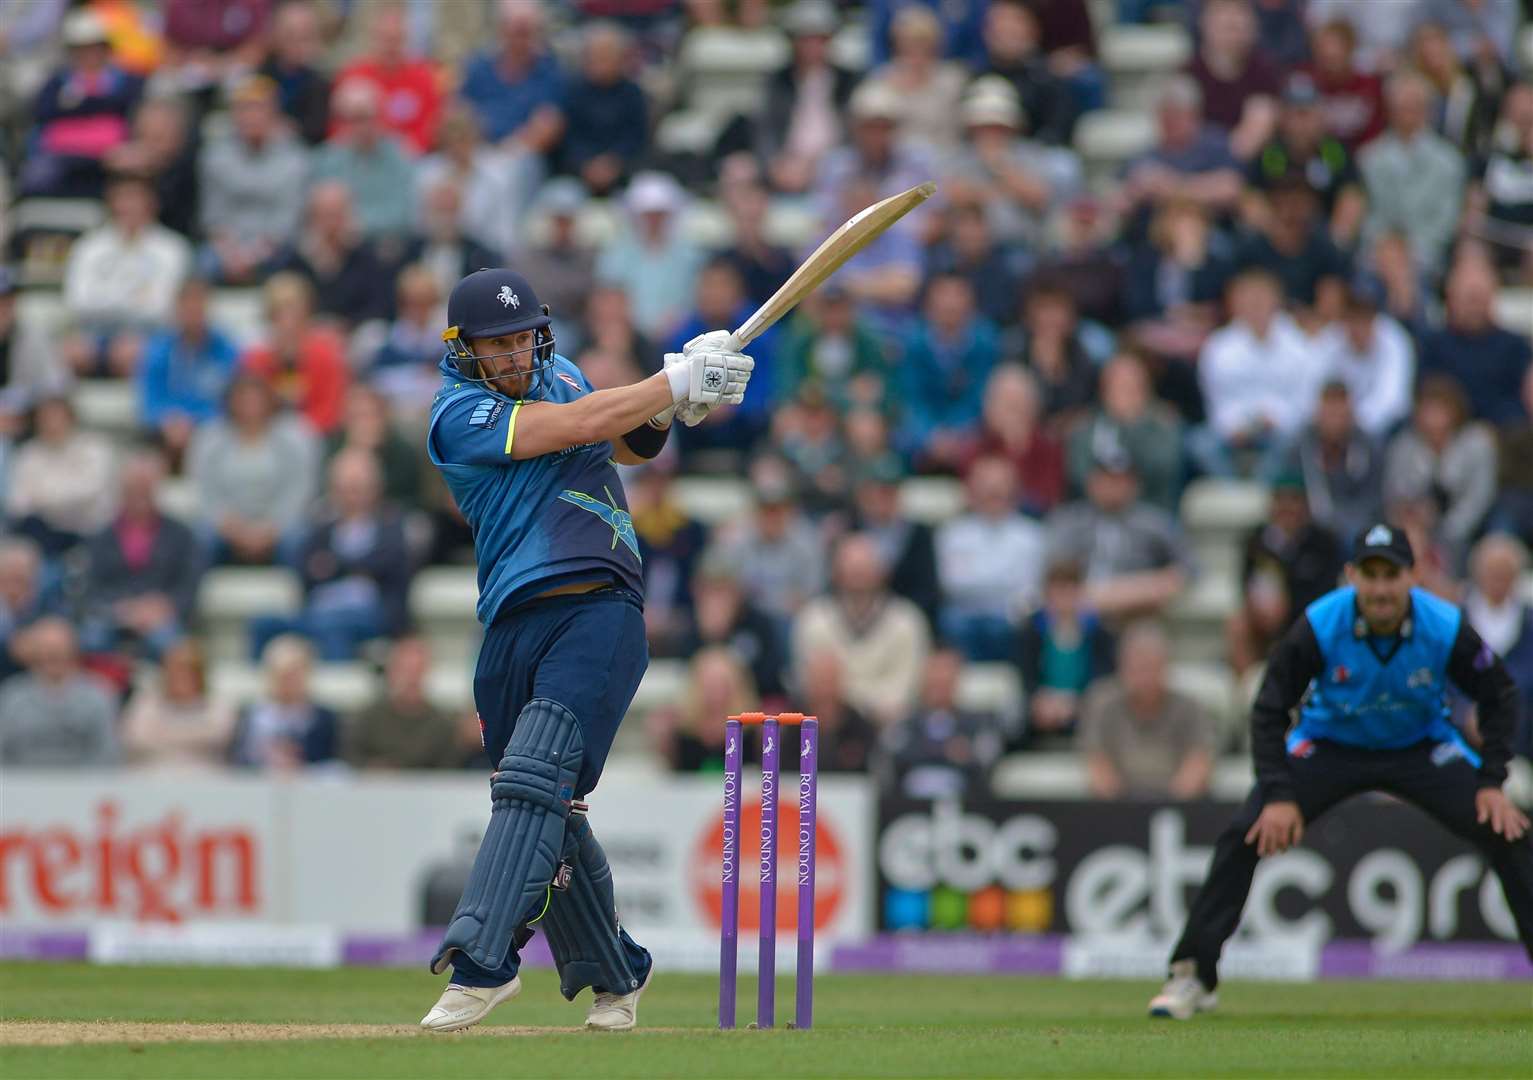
x=527, y=448
x=1367, y=666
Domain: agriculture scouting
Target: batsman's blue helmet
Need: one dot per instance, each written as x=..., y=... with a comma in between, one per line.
x=498, y=303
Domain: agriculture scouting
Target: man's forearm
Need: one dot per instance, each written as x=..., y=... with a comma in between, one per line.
x=545, y=427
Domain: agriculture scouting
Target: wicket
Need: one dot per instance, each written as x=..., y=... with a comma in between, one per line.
x=808, y=791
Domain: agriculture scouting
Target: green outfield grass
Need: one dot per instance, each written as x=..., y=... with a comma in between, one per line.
x=866, y=1027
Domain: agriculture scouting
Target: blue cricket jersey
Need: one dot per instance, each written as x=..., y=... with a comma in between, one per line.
x=539, y=523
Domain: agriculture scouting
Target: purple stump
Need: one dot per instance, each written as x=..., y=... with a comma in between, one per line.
x=808, y=797
x=766, y=979
x=729, y=903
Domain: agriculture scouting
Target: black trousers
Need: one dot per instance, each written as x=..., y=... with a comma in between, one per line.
x=1334, y=772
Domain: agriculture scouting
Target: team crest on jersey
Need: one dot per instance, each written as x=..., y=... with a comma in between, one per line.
x=1419, y=678
x=1341, y=674
x=610, y=512
x=578, y=388
x=508, y=298
x=486, y=413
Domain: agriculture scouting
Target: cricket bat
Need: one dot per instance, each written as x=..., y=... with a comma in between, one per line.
x=848, y=240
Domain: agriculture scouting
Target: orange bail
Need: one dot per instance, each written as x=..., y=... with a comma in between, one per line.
x=761, y=718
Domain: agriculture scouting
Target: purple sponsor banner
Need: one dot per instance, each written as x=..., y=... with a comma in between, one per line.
x=43, y=944
x=951, y=954
x=1472, y=961
x=412, y=950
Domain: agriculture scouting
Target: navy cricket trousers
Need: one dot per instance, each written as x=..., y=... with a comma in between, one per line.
x=1443, y=788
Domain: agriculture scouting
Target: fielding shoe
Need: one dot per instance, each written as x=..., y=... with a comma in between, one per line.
x=1184, y=995
x=464, y=1006
x=617, y=1012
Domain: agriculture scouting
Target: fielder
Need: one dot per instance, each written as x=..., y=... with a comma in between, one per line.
x=1367, y=666
x=528, y=448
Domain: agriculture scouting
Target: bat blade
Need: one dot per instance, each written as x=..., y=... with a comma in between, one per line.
x=858, y=231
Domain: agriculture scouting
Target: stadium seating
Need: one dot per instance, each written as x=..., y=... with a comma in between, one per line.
x=231, y=596
x=1137, y=56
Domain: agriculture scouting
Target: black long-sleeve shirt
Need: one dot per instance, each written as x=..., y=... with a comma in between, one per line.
x=1472, y=667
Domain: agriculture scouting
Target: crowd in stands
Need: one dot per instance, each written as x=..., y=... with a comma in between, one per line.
x=1294, y=284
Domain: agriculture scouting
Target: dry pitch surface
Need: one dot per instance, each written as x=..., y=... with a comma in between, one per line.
x=72, y=1020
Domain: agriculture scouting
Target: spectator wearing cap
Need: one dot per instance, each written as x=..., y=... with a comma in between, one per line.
x=142, y=570
x=163, y=150
x=1342, y=465
x=1062, y=648
x=1291, y=242
x=24, y=598
x=907, y=547
x=1020, y=182
x=303, y=360
x=873, y=155
x=409, y=88
x=881, y=639
x=652, y=260
x=1176, y=279
x=1414, y=177
x=1496, y=608
x=1240, y=84
x=185, y=371
x=342, y=267
x=946, y=359
x=254, y=472
x=1445, y=456
x=496, y=184
x=62, y=483
x=607, y=126
x=988, y=563
x=1141, y=738
x=1129, y=418
x=80, y=115
x=303, y=88
x=1011, y=428
x=370, y=160
x=121, y=280
x=722, y=616
x=1132, y=554
x=1501, y=200
x=1259, y=380
x=1303, y=151
x=1287, y=562
x=1373, y=355
x=941, y=750
x=516, y=87
x=780, y=553
x=562, y=264
x=1351, y=99
x=252, y=184
x=285, y=730
x=1190, y=160
x=56, y=715
x=1466, y=93
x=928, y=85
x=1488, y=362
x=805, y=99
x=1012, y=51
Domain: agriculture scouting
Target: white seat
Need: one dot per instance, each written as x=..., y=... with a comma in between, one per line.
x=1160, y=48
x=713, y=499
x=1210, y=685
x=1514, y=310
x=239, y=592
x=41, y=312
x=240, y=313
x=109, y=405
x=689, y=131
x=450, y=686
x=852, y=47
x=1224, y=506
x=932, y=499
x=707, y=225
x=1108, y=137
x=1208, y=598
x=342, y=687
x=444, y=593
x=664, y=683
x=178, y=499
x=793, y=224
x=1039, y=776
x=992, y=687
x=728, y=52
x=57, y=215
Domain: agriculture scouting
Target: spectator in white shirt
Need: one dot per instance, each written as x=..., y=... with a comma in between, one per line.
x=121, y=280
x=989, y=563
x=1373, y=355
x=1259, y=379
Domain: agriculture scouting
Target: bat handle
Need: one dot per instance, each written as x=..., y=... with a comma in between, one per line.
x=735, y=343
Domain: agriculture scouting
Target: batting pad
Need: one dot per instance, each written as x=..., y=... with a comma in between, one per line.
x=589, y=947
x=530, y=800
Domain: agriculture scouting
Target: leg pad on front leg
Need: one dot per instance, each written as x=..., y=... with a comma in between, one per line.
x=590, y=948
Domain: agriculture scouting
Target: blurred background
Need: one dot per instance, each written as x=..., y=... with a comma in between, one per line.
x=1017, y=506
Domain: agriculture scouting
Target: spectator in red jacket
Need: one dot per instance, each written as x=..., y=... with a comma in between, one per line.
x=303, y=361
x=410, y=87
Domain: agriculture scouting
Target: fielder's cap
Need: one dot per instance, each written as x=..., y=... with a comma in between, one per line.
x=654, y=192
x=992, y=100
x=875, y=100
x=563, y=196
x=1383, y=542
x=1301, y=90
x=84, y=28
x=492, y=302
x=811, y=18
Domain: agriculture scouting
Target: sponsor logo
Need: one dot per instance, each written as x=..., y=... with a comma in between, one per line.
x=610, y=512
x=578, y=388
x=487, y=413
x=1419, y=678
x=713, y=379
x=713, y=846
x=508, y=298
x=1379, y=536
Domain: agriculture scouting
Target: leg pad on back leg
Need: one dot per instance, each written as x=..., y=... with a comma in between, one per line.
x=530, y=795
x=589, y=947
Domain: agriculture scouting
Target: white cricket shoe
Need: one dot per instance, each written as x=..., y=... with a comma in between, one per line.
x=1184, y=995
x=464, y=1006
x=617, y=1012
